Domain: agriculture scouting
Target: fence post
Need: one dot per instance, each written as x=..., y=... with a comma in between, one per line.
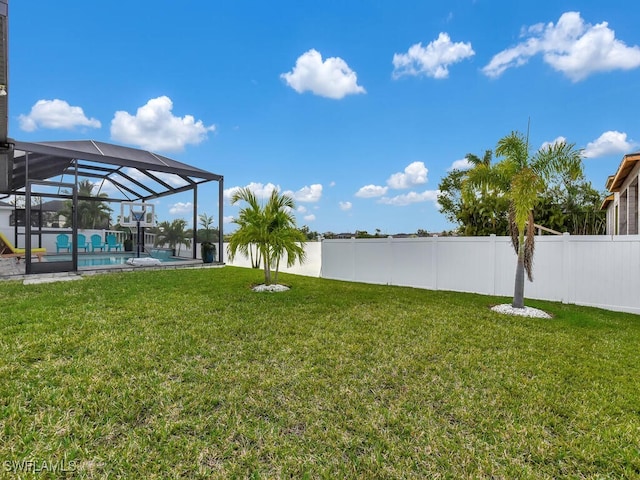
x=390, y=260
x=567, y=264
x=352, y=244
x=434, y=262
x=492, y=241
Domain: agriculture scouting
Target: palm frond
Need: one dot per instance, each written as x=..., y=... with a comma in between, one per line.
x=514, y=233
x=514, y=148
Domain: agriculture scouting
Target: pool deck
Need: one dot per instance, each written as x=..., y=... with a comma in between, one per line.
x=11, y=270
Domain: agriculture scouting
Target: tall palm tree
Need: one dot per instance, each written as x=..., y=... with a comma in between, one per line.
x=270, y=228
x=523, y=178
x=175, y=234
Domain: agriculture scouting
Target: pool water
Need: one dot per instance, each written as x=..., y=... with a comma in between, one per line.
x=98, y=260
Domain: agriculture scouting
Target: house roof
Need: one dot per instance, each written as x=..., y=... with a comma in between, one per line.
x=136, y=174
x=53, y=206
x=607, y=200
x=629, y=161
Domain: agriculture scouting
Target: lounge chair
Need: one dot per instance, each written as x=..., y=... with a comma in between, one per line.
x=62, y=243
x=7, y=250
x=82, y=242
x=97, y=243
x=112, y=242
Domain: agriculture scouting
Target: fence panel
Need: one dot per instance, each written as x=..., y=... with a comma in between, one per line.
x=600, y=271
x=412, y=263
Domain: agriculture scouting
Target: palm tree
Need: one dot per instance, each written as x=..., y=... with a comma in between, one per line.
x=484, y=208
x=91, y=213
x=271, y=229
x=174, y=234
x=283, y=233
x=246, y=237
x=523, y=178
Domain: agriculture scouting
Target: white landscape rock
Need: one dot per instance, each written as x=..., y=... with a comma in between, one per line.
x=270, y=288
x=522, y=312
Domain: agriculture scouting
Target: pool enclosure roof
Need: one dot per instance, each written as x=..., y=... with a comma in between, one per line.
x=136, y=174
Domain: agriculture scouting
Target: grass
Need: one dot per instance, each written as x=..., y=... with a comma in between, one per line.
x=189, y=374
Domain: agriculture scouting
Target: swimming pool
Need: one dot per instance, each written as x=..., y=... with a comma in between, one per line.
x=104, y=259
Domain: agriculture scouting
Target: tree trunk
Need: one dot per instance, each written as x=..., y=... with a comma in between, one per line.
x=267, y=268
x=518, y=291
x=255, y=263
x=275, y=279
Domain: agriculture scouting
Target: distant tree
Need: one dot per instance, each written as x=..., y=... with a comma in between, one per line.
x=92, y=214
x=572, y=205
x=567, y=205
x=308, y=233
x=477, y=211
x=523, y=178
x=174, y=234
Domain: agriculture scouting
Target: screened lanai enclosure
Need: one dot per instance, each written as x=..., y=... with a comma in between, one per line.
x=56, y=175
x=41, y=173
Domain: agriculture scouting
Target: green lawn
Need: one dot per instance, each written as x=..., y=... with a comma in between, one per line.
x=190, y=374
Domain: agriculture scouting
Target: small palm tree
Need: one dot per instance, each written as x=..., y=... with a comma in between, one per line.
x=173, y=234
x=270, y=228
x=245, y=239
x=523, y=178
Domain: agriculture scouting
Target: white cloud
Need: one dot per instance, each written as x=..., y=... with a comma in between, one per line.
x=154, y=127
x=228, y=219
x=55, y=114
x=311, y=193
x=109, y=188
x=557, y=141
x=170, y=178
x=332, y=184
x=609, y=143
x=371, y=191
x=572, y=47
x=344, y=206
x=411, y=197
x=259, y=190
x=181, y=207
x=332, y=78
x=301, y=209
x=433, y=60
x=462, y=164
x=414, y=174
x=310, y=218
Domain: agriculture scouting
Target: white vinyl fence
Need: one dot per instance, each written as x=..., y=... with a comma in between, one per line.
x=600, y=271
x=310, y=268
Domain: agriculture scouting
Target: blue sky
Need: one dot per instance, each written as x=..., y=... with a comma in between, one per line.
x=355, y=108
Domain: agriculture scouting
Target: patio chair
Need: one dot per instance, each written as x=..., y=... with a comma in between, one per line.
x=112, y=242
x=7, y=250
x=97, y=243
x=82, y=242
x=62, y=243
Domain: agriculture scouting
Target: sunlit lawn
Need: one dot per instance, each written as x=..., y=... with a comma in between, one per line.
x=190, y=374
